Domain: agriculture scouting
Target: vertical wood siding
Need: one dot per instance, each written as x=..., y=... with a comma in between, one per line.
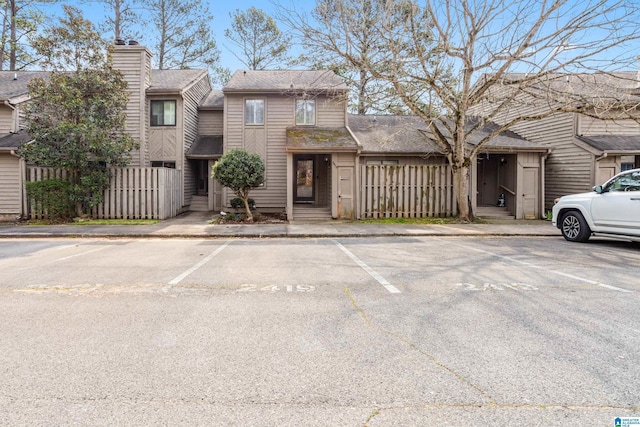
x=279, y=115
x=191, y=101
x=407, y=191
x=133, y=193
x=6, y=119
x=135, y=64
x=10, y=181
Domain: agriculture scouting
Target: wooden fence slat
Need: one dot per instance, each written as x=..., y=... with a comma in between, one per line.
x=407, y=191
x=152, y=193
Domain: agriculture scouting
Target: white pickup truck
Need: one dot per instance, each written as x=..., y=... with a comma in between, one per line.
x=612, y=209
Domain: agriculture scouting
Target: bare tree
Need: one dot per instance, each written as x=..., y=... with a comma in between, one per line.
x=324, y=42
x=121, y=19
x=491, y=56
x=256, y=34
x=185, y=39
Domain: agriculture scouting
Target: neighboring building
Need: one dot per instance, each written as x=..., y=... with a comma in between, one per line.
x=162, y=114
x=314, y=152
x=296, y=122
x=13, y=92
x=508, y=165
x=586, y=149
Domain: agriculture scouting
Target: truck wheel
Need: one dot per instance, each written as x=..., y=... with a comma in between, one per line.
x=574, y=227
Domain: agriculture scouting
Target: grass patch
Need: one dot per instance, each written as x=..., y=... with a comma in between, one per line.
x=117, y=222
x=428, y=220
x=99, y=222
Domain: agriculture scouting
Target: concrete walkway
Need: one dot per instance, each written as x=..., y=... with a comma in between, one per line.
x=196, y=225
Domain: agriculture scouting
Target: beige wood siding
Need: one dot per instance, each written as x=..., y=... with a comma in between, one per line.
x=9, y=185
x=210, y=122
x=191, y=100
x=279, y=115
x=6, y=119
x=590, y=126
x=570, y=167
x=331, y=112
x=163, y=144
x=404, y=160
x=135, y=64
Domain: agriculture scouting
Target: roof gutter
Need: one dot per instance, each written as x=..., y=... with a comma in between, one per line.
x=606, y=154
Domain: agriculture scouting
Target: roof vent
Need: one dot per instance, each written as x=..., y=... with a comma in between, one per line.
x=133, y=43
x=120, y=42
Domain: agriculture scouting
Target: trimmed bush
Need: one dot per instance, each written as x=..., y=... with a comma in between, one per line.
x=53, y=196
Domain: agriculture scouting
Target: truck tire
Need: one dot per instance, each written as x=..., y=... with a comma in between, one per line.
x=574, y=227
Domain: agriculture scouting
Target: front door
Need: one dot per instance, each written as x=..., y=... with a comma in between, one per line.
x=305, y=184
x=345, y=192
x=202, y=177
x=530, y=193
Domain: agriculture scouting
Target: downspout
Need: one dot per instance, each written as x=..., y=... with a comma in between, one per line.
x=543, y=181
x=358, y=172
x=603, y=156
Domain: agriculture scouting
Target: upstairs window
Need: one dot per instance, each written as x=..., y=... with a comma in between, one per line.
x=254, y=112
x=163, y=113
x=305, y=112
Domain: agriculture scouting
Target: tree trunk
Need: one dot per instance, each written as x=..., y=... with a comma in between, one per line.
x=13, y=36
x=245, y=199
x=461, y=182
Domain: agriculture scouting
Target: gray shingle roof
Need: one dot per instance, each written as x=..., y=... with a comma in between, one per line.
x=284, y=80
x=14, y=83
x=173, y=80
x=410, y=134
x=161, y=81
x=13, y=140
x=213, y=101
x=320, y=139
x=618, y=143
x=589, y=86
x=206, y=147
x=392, y=134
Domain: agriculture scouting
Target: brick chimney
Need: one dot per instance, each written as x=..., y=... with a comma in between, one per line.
x=134, y=61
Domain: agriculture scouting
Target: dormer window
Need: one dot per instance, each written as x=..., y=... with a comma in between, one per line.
x=305, y=112
x=163, y=113
x=254, y=112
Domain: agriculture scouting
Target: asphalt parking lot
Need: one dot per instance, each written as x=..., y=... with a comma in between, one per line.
x=319, y=331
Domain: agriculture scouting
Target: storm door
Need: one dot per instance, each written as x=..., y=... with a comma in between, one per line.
x=305, y=179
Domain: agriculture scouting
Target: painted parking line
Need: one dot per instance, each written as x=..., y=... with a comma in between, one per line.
x=559, y=273
x=388, y=286
x=82, y=254
x=202, y=262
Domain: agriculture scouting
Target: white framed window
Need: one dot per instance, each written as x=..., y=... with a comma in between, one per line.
x=254, y=112
x=305, y=112
x=163, y=113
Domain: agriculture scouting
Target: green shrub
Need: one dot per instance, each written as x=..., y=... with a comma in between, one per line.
x=53, y=197
x=237, y=204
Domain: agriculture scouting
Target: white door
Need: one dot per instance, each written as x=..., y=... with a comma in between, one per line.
x=530, y=188
x=345, y=192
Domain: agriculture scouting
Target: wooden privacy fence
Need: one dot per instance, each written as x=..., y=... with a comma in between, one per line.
x=133, y=193
x=407, y=191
